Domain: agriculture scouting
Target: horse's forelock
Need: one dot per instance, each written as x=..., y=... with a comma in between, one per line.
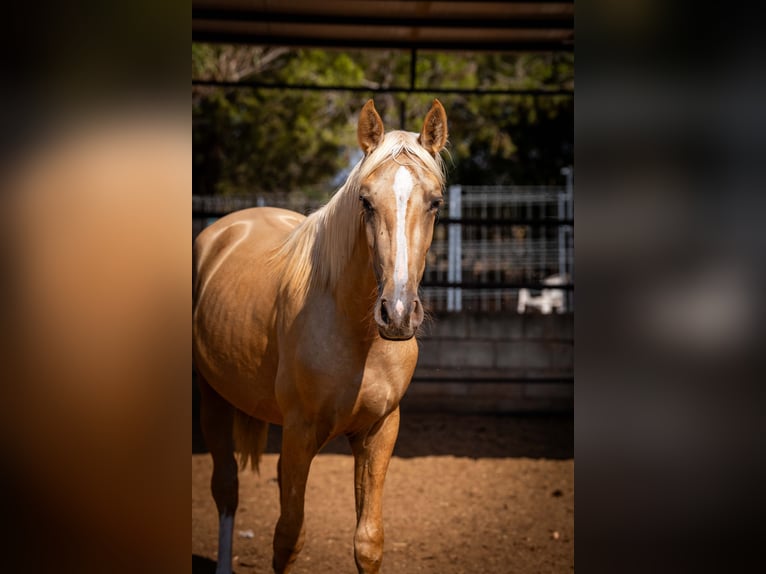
x=403, y=148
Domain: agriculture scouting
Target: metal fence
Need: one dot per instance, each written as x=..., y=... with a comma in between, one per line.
x=508, y=248
x=207, y=208
x=498, y=242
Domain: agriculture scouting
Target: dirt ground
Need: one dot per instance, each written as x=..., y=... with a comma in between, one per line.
x=464, y=494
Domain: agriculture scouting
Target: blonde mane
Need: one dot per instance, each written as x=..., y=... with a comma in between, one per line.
x=317, y=252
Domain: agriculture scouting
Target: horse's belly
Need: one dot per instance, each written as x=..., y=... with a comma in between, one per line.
x=233, y=350
x=234, y=319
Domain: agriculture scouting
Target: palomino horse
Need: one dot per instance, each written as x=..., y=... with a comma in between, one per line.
x=309, y=323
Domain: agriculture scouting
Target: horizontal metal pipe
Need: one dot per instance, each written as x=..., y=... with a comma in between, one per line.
x=383, y=89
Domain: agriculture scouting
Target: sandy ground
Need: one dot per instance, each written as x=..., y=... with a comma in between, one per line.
x=463, y=494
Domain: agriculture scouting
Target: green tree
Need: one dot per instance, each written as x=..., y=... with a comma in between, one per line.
x=253, y=140
x=259, y=140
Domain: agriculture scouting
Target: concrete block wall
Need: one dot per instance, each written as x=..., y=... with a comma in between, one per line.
x=495, y=362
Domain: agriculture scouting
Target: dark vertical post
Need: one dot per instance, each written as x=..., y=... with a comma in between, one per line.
x=403, y=103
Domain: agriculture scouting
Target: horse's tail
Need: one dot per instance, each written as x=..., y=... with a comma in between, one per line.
x=249, y=439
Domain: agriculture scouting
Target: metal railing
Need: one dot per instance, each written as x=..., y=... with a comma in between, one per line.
x=498, y=241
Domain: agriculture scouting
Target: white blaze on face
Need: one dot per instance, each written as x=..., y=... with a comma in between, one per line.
x=402, y=190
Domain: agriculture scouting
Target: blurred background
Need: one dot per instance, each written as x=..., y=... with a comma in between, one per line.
x=670, y=129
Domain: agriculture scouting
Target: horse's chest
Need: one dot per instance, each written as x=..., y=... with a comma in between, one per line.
x=340, y=369
x=378, y=395
x=386, y=376
x=367, y=381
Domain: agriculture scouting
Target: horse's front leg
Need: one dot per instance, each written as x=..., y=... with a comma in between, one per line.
x=372, y=453
x=298, y=450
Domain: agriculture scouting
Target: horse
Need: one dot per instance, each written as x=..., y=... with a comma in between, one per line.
x=310, y=323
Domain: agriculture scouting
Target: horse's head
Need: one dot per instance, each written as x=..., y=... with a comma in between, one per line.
x=400, y=192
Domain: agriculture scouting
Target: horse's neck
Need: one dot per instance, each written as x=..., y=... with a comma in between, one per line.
x=356, y=291
x=330, y=257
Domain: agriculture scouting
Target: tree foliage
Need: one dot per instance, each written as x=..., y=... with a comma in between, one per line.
x=261, y=140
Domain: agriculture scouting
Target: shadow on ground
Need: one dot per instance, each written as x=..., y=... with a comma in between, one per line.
x=202, y=565
x=440, y=434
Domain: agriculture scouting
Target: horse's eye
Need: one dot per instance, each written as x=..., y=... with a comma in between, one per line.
x=436, y=204
x=366, y=204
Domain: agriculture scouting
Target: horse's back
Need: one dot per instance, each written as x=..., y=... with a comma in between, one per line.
x=257, y=230
x=234, y=305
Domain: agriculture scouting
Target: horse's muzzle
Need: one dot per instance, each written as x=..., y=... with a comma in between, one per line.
x=398, y=320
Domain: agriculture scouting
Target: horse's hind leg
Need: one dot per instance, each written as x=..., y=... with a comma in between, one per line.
x=217, y=418
x=372, y=453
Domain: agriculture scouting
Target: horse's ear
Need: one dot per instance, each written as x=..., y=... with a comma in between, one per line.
x=433, y=136
x=369, y=131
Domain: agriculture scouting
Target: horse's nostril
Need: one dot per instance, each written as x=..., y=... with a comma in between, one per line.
x=383, y=311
